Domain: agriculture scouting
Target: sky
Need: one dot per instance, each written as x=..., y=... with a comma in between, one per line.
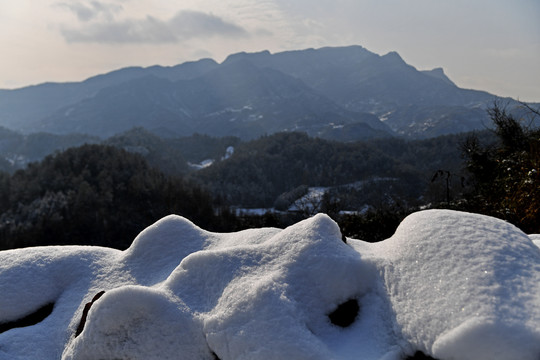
x=491, y=45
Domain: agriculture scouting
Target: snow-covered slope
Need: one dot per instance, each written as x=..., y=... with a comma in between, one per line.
x=453, y=285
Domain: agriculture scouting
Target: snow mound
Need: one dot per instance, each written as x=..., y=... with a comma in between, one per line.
x=453, y=285
x=536, y=239
x=464, y=286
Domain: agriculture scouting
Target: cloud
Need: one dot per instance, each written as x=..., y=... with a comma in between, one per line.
x=91, y=10
x=148, y=30
x=194, y=24
x=263, y=32
x=183, y=26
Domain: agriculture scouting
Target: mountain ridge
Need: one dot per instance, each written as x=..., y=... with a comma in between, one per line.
x=313, y=90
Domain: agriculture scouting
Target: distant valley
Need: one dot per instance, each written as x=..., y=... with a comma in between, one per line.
x=342, y=93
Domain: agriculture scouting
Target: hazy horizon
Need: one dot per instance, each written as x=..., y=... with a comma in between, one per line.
x=490, y=45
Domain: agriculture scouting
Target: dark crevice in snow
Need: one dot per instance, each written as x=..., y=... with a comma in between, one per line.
x=343, y=237
x=32, y=319
x=419, y=356
x=86, y=309
x=214, y=356
x=345, y=314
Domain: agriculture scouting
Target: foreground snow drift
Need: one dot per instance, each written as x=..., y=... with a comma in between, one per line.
x=453, y=285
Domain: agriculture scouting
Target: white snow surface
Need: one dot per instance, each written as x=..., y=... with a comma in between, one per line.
x=453, y=285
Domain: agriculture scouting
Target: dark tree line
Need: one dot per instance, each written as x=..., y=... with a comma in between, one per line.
x=96, y=195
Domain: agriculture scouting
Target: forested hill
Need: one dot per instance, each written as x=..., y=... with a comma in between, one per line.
x=170, y=155
x=17, y=149
x=95, y=195
x=174, y=155
x=257, y=172
x=262, y=170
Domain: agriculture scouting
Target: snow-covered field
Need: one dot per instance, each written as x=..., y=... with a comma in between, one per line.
x=453, y=285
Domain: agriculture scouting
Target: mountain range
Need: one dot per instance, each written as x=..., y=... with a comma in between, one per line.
x=338, y=93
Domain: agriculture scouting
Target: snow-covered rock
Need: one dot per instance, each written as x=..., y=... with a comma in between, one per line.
x=453, y=285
